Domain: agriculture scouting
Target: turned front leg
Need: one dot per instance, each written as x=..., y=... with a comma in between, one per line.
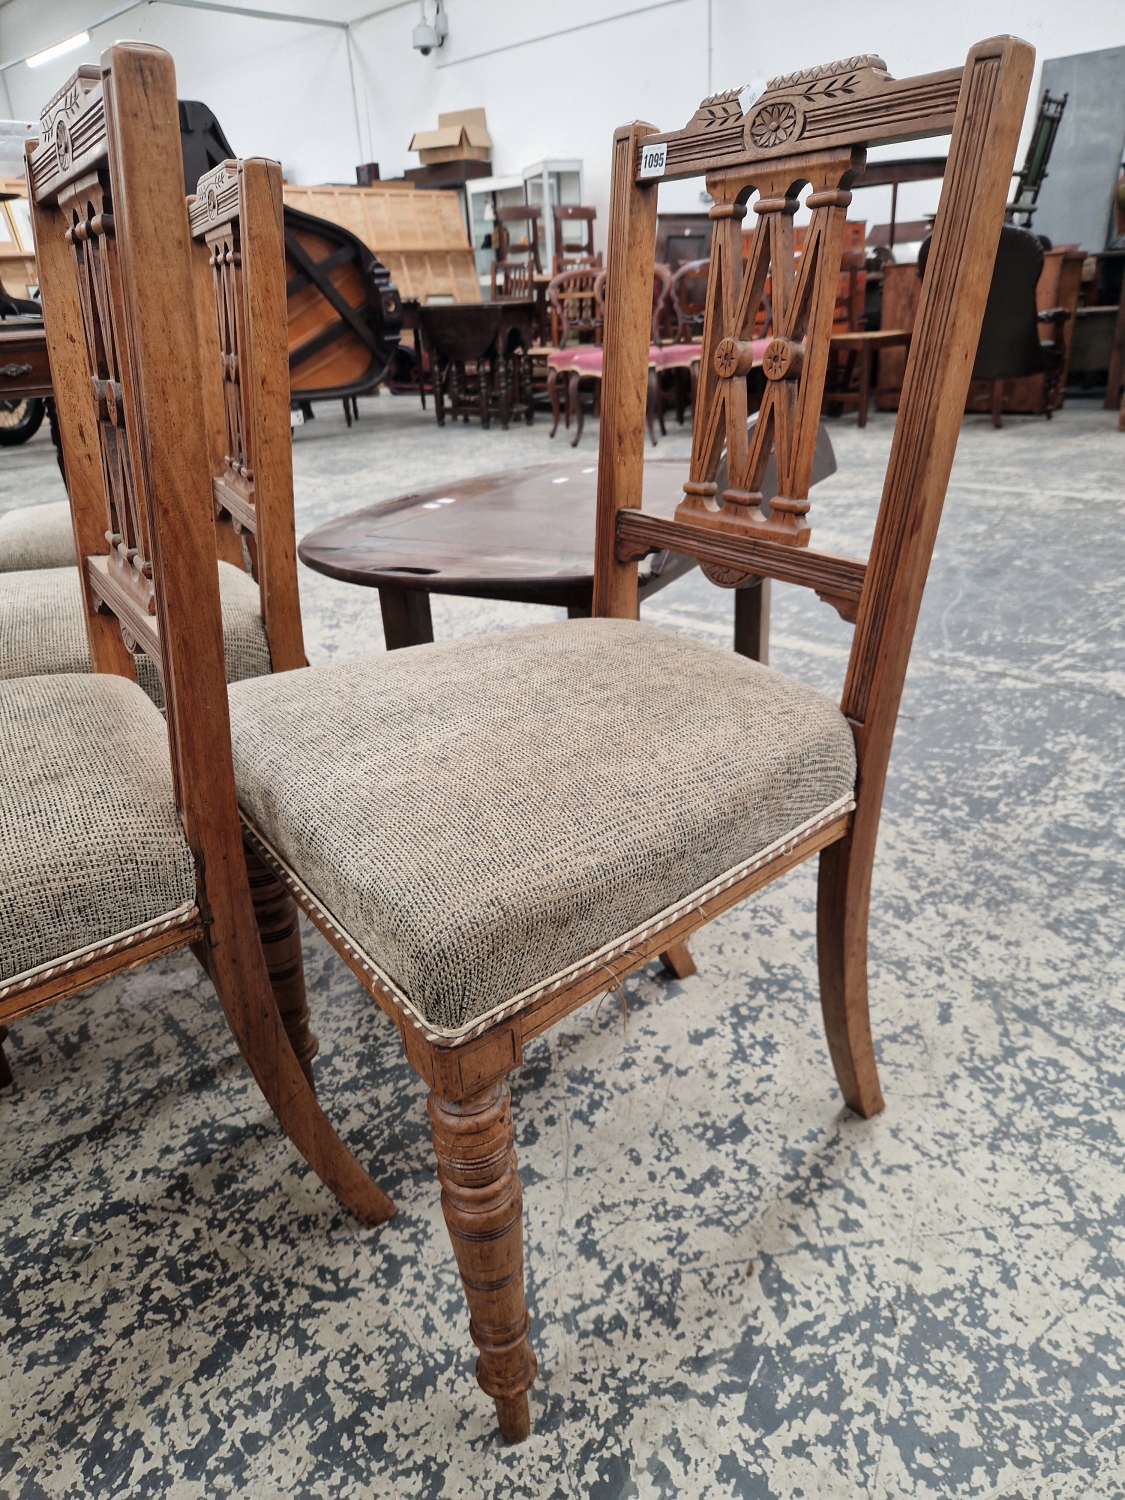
x=482, y=1202
x=280, y=932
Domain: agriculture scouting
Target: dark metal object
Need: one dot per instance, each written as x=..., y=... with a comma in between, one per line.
x=202, y=142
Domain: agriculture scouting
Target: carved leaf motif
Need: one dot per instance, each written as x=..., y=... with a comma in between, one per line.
x=773, y=125
x=719, y=115
x=832, y=88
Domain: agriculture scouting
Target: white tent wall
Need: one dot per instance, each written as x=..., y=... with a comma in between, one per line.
x=555, y=78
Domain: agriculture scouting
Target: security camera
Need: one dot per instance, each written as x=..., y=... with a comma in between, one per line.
x=431, y=34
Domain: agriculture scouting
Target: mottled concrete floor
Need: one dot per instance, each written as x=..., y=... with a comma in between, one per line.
x=738, y=1289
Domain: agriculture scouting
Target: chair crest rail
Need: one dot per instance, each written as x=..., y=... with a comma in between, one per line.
x=842, y=103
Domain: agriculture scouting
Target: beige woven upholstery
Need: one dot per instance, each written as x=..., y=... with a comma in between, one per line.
x=36, y=536
x=479, y=814
x=42, y=631
x=90, y=841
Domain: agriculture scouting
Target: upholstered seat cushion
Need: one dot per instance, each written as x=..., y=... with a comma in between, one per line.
x=36, y=536
x=587, y=359
x=478, y=814
x=90, y=841
x=42, y=630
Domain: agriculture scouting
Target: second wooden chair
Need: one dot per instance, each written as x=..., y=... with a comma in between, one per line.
x=120, y=829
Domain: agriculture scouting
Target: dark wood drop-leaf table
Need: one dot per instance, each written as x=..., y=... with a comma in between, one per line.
x=526, y=535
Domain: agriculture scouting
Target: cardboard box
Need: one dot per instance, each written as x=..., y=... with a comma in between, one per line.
x=461, y=136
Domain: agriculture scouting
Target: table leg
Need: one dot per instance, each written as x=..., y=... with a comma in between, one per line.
x=864, y=385
x=504, y=388
x=418, y=366
x=574, y=398
x=407, y=620
x=752, y=621
x=553, y=396
x=484, y=381
x=437, y=380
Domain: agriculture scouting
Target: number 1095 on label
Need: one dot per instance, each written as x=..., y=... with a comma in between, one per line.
x=653, y=160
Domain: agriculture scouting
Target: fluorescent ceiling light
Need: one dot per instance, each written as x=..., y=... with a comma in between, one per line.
x=60, y=49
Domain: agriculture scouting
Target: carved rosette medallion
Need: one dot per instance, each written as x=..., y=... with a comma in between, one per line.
x=212, y=204
x=782, y=360
x=724, y=577
x=773, y=125
x=62, y=145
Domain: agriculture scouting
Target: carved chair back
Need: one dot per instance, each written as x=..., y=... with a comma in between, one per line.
x=528, y=215
x=574, y=255
x=661, y=288
x=513, y=278
x=114, y=256
x=807, y=129
x=662, y=282
x=575, y=313
x=689, y=299
x=239, y=281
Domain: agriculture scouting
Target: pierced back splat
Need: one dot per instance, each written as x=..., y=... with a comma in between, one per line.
x=235, y=218
x=214, y=218
x=73, y=132
x=794, y=363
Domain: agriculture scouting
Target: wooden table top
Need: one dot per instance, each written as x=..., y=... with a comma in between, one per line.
x=872, y=338
x=525, y=535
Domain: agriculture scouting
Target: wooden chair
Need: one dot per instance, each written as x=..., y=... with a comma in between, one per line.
x=513, y=279
x=852, y=348
x=527, y=214
x=484, y=874
x=585, y=361
x=1010, y=346
x=575, y=321
x=574, y=256
x=128, y=847
x=688, y=294
x=240, y=321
